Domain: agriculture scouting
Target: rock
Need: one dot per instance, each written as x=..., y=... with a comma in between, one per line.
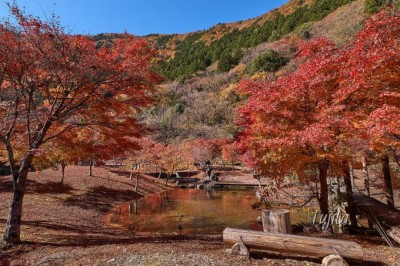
x=240, y=249
x=333, y=260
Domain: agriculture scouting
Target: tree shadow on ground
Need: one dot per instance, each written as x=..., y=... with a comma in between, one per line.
x=114, y=180
x=70, y=235
x=6, y=185
x=100, y=198
x=92, y=240
x=50, y=187
x=148, y=187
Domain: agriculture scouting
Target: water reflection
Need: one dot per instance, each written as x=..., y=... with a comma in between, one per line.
x=193, y=211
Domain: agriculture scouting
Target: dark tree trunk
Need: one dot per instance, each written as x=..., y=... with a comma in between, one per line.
x=323, y=196
x=13, y=226
x=339, y=201
x=366, y=175
x=387, y=180
x=63, y=165
x=166, y=180
x=351, y=171
x=91, y=162
x=352, y=209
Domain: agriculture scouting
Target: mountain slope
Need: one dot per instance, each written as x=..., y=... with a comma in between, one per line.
x=203, y=104
x=184, y=55
x=205, y=67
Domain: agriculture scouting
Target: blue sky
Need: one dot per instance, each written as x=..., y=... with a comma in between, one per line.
x=143, y=17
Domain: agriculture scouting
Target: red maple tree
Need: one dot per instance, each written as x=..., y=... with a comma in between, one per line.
x=52, y=82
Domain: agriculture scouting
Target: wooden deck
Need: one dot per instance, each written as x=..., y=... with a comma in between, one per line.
x=372, y=208
x=234, y=186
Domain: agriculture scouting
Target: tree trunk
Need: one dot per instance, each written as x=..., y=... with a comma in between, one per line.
x=339, y=201
x=388, y=181
x=323, y=197
x=13, y=226
x=131, y=174
x=91, y=167
x=351, y=171
x=366, y=175
x=160, y=174
x=137, y=182
x=352, y=210
x=63, y=165
x=259, y=183
x=397, y=158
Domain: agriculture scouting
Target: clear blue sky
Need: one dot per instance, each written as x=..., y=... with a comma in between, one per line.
x=143, y=17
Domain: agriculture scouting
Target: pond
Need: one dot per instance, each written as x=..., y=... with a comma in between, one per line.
x=191, y=210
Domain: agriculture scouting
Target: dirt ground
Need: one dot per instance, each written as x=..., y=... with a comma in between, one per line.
x=63, y=225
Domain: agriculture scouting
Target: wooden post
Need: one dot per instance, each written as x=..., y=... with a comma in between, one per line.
x=276, y=221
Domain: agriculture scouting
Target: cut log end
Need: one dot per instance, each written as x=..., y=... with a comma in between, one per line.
x=276, y=221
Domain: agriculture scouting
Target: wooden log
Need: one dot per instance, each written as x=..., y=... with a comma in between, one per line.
x=276, y=221
x=293, y=244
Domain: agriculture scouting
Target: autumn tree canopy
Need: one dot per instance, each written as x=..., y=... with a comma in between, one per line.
x=317, y=116
x=52, y=82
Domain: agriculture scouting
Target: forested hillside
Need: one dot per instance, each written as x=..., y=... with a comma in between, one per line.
x=194, y=53
x=202, y=69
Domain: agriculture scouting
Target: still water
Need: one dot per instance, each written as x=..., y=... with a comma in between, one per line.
x=191, y=210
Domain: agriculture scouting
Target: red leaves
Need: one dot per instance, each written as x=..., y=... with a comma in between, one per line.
x=315, y=47
x=63, y=83
x=333, y=98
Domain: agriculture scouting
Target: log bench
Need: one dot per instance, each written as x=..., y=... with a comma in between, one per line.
x=293, y=244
